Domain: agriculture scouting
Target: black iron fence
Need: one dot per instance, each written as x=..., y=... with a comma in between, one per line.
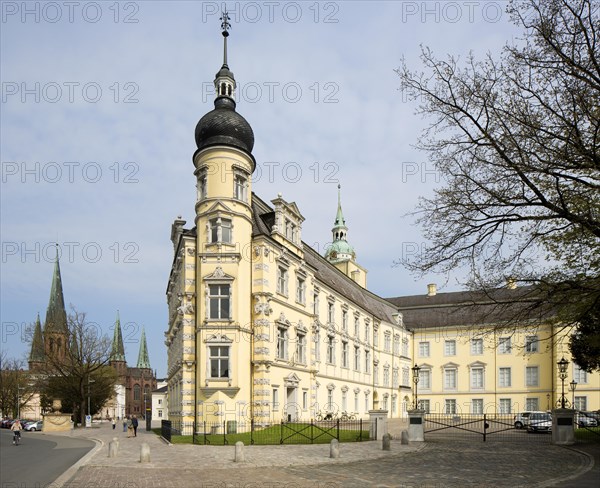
x=252, y=432
x=485, y=427
x=587, y=427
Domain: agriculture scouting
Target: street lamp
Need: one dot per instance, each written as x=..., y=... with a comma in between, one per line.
x=562, y=374
x=415, y=371
x=572, y=387
x=547, y=401
x=89, y=410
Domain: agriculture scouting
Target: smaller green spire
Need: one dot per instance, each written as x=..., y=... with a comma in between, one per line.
x=118, y=351
x=143, y=358
x=37, y=353
x=339, y=250
x=56, y=315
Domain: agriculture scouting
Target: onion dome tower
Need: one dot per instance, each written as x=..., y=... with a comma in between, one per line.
x=340, y=250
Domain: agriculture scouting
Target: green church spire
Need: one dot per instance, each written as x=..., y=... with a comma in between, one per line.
x=143, y=358
x=339, y=250
x=37, y=354
x=56, y=315
x=118, y=351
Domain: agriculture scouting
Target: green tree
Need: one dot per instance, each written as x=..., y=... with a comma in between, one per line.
x=516, y=139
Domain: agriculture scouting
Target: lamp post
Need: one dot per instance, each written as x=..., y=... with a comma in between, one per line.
x=415, y=371
x=89, y=409
x=19, y=389
x=562, y=374
x=572, y=387
x=547, y=401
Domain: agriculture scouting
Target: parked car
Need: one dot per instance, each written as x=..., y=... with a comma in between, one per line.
x=521, y=420
x=539, y=422
x=33, y=426
x=586, y=419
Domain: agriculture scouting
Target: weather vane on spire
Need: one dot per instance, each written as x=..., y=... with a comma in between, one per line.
x=225, y=25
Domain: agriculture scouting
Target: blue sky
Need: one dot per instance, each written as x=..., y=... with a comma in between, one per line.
x=99, y=105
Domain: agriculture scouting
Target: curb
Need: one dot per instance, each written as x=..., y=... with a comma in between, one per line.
x=69, y=473
x=580, y=471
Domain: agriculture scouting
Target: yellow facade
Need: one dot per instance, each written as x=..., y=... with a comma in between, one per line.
x=480, y=370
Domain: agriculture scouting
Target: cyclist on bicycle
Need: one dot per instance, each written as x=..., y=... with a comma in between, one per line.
x=16, y=427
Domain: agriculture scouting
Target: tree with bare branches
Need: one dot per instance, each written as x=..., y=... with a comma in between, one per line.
x=516, y=139
x=83, y=372
x=15, y=385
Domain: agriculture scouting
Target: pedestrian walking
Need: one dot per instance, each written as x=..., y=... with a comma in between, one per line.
x=134, y=422
x=124, y=424
x=129, y=426
x=114, y=423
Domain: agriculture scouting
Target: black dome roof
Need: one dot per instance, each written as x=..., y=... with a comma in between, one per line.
x=224, y=125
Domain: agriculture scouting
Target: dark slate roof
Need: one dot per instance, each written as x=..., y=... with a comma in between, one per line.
x=325, y=272
x=162, y=389
x=471, y=308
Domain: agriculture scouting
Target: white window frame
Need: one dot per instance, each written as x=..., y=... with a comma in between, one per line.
x=505, y=406
x=505, y=377
x=532, y=379
x=301, y=290
x=450, y=347
x=424, y=379
x=450, y=378
x=476, y=347
x=345, y=352
x=219, y=358
x=356, y=358
x=330, y=359
x=450, y=406
x=504, y=345
x=218, y=298
x=282, y=279
x=240, y=186
x=424, y=349
x=301, y=347
x=477, y=378
x=477, y=406
x=532, y=343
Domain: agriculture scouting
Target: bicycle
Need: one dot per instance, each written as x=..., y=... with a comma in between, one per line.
x=16, y=437
x=347, y=416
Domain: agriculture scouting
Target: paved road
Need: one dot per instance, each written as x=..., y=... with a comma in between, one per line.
x=435, y=464
x=39, y=459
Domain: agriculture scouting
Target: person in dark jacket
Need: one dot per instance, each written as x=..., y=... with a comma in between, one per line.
x=134, y=421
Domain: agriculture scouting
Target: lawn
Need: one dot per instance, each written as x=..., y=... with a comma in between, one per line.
x=297, y=433
x=588, y=434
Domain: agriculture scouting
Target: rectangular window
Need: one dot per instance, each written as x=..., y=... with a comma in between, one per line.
x=477, y=406
x=367, y=361
x=345, y=321
x=375, y=337
x=450, y=407
x=218, y=297
x=504, y=345
x=240, y=185
x=282, y=342
x=330, y=404
x=405, y=377
x=424, y=349
x=300, y=290
x=160, y=413
x=531, y=343
x=356, y=358
x=579, y=375
x=395, y=378
x=330, y=313
x=344, y=354
x=344, y=400
x=275, y=398
x=387, y=342
x=331, y=349
x=160, y=401
x=315, y=303
x=532, y=376
x=356, y=327
x=355, y=401
x=282, y=280
x=504, y=377
x=505, y=406
x=424, y=405
x=318, y=346
x=405, y=347
x=201, y=186
x=301, y=348
x=477, y=378
x=476, y=347
x=220, y=230
x=397, y=345
x=367, y=334
x=304, y=400
x=450, y=379
x=386, y=376
x=450, y=348
x=375, y=374
x=580, y=403
x=532, y=404
x=424, y=379
x=219, y=361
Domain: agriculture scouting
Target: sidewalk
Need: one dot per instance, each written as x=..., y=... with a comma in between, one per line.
x=432, y=464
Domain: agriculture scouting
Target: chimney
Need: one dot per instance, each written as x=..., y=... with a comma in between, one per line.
x=431, y=290
x=176, y=231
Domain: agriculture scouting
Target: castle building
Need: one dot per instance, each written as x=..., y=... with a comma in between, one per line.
x=134, y=385
x=260, y=325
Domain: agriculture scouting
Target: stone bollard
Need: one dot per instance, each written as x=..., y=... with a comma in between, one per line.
x=239, y=452
x=113, y=449
x=404, y=438
x=386, y=442
x=144, y=453
x=116, y=441
x=334, y=449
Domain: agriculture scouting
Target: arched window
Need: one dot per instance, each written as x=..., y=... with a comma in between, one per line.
x=137, y=392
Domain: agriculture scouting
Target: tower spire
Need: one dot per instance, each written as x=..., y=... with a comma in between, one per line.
x=339, y=250
x=143, y=358
x=118, y=351
x=56, y=315
x=225, y=26
x=37, y=354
